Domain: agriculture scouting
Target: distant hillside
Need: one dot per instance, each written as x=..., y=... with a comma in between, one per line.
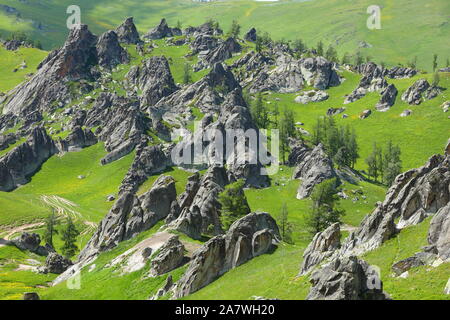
x=409, y=28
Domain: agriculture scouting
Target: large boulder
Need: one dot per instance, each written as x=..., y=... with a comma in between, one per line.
x=127, y=32
x=313, y=166
x=170, y=256
x=56, y=263
x=388, y=96
x=109, y=51
x=347, y=279
x=319, y=73
x=439, y=232
x=78, y=139
x=248, y=237
x=322, y=247
x=251, y=35
x=219, y=54
x=31, y=242
x=18, y=165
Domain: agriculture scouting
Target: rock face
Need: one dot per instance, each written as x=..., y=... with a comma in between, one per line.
x=56, y=263
x=170, y=257
x=70, y=63
x=31, y=242
x=149, y=160
x=413, y=196
x=221, y=53
x=130, y=216
x=419, y=259
x=248, y=237
x=372, y=80
x=127, y=32
x=313, y=167
x=312, y=96
x=162, y=31
x=19, y=164
x=439, y=232
x=346, y=279
x=388, y=96
x=251, y=35
x=109, y=51
x=319, y=73
x=121, y=124
x=154, y=79
x=418, y=92
x=31, y=296
x=322, y=247
x=7, y=140
x=199, y=205
x=78, y=139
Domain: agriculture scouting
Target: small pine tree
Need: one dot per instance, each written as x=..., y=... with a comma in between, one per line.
x=358, y=59
x=436, y=79
x=187, y=78
x=284, y=224
x=320, y=48
x=69, y=237
x=235, y=29
x=345, y=58
x=324, y=209
x=233, y=203
x=331, y=54
x=50, y=231
x=435, y=64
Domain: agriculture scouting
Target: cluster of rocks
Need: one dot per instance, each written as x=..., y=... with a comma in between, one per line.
x=311, y=96
x=419, y=91
x=31, y=242
x=252, y=235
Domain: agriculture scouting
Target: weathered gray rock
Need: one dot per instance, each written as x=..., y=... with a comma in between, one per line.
x=169, y=257
x=406, y=113
x=322, y=247
x=127, y=32
x=203, y=43
x=18, y=165
x=56, y=263
x=221, y=53
x=78, y=139
x=439, y=232
x=413, y=196
x=109, y=51
x=419, y=259
x=313, y=167
x=388, y=96
x=365, y=114
x=251, y=35
x=162, y=30
x=347, y=279
x=319, y=73
x=311, y=96
x=31, y=242
x=72, y=62
x=248, y=237
x=153, y=78
x=130, y=216
x=419, y=91
x=372, y=80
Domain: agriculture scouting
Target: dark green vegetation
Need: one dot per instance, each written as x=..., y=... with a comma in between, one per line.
x=408, y=28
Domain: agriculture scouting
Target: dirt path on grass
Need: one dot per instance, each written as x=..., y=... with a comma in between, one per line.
x=10, y=231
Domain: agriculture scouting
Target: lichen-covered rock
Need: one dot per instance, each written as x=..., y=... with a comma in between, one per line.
x=162, y=30
x=319, y=73
x=78, y=139
x=311, y=96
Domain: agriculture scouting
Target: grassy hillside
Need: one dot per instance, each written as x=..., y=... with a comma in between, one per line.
x=11, y=60
x=409, y=28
